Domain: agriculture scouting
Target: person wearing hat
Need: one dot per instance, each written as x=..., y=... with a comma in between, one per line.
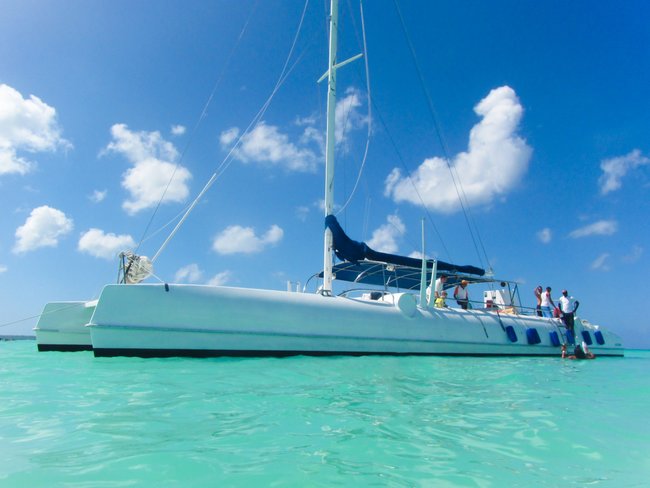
x=461, y=296
x=568, y=307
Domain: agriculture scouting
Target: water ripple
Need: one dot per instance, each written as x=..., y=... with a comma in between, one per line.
x=73, y=420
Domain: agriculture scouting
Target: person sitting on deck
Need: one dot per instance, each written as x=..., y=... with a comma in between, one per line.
x=440, y=301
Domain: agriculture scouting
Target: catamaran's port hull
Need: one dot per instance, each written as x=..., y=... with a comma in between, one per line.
x=206, y=321
x=62, y=326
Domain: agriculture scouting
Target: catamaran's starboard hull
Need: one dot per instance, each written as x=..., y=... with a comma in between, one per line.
x=62, y=326
x=207, y=321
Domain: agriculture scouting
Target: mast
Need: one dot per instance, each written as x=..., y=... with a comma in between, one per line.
x=329, y=150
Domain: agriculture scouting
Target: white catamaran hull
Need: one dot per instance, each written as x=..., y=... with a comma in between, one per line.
x=62, y=326
x=194, y=320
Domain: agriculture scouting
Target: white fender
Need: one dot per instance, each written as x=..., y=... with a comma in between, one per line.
x=405, y=303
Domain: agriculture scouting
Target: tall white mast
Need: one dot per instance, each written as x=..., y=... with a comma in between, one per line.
x=329, y=148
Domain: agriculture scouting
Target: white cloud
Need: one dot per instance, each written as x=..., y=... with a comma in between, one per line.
x=494, y=164
x=545, y=235
x=615, y=169
x=600, y=228
x=600, y=263
x=3, y=268
x=98, y=196
x=348, y=118
x=154, y=165
x=43, y=228
x=266, y=144
x=237, y=239
x=178, y=130
x=302, y=212
x=384, y=239
x=220, y=279
x=309, y=120
x=107, y=246
x=229, y=136
x=26, y=124
x=193, y=274
x=313, y=135
x=189, y=274
x=418, y=255
x=634, y=255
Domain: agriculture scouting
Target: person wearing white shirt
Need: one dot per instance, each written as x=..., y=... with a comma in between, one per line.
x=438, y=287
x=568, y=307
x=461, y=295
x=547, y=303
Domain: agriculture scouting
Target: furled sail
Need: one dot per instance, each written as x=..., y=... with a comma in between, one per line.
x=353, y=251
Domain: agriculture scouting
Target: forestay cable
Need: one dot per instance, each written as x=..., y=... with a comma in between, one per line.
x=365, y=153
x=464, y=203
x=228, y=159
x=196, y=126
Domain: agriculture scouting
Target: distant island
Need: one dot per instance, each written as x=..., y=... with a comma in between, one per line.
x=17, y=337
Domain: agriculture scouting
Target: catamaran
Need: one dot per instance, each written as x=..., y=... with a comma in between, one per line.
x=195, y=320
x=387, y=310
x=62, y=326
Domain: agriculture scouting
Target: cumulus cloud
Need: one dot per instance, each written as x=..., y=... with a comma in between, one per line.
x=600, y=263
x=496, y=160
x=189, y=274
x=178, y=130
x=348, y=116
x=302, y=212
x=615, y=169
x=634, y=255
x=154, y=165
x=229, y=136
x=98, y=196
x=600, y=228
x=267, y=145
x=384, y=239
x=43, y=228
x=220, y=279
x=237, y=239
x=26, y=124
x=545, y=235
x=101, y=245
x=193, y=274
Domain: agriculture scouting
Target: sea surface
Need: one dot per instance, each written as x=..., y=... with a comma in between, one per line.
x=72, y=420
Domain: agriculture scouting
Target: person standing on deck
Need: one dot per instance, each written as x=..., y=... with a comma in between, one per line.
x=568, y=307
x=538, y=297
x=461, y=295
x=547, y=303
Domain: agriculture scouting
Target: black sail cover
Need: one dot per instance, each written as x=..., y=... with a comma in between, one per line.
x=348, y=250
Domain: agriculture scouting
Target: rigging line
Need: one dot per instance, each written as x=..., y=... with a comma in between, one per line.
x=439, y=131
x=62, y=309
x=365, y=153
x=198, y=123
x=282, y=78
x=228, y=159
x=408, y=173
x=184, y=210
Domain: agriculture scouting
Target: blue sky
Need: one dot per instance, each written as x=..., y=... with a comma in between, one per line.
x=543, y=108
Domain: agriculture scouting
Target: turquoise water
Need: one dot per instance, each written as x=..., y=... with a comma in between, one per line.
x=69, y=419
